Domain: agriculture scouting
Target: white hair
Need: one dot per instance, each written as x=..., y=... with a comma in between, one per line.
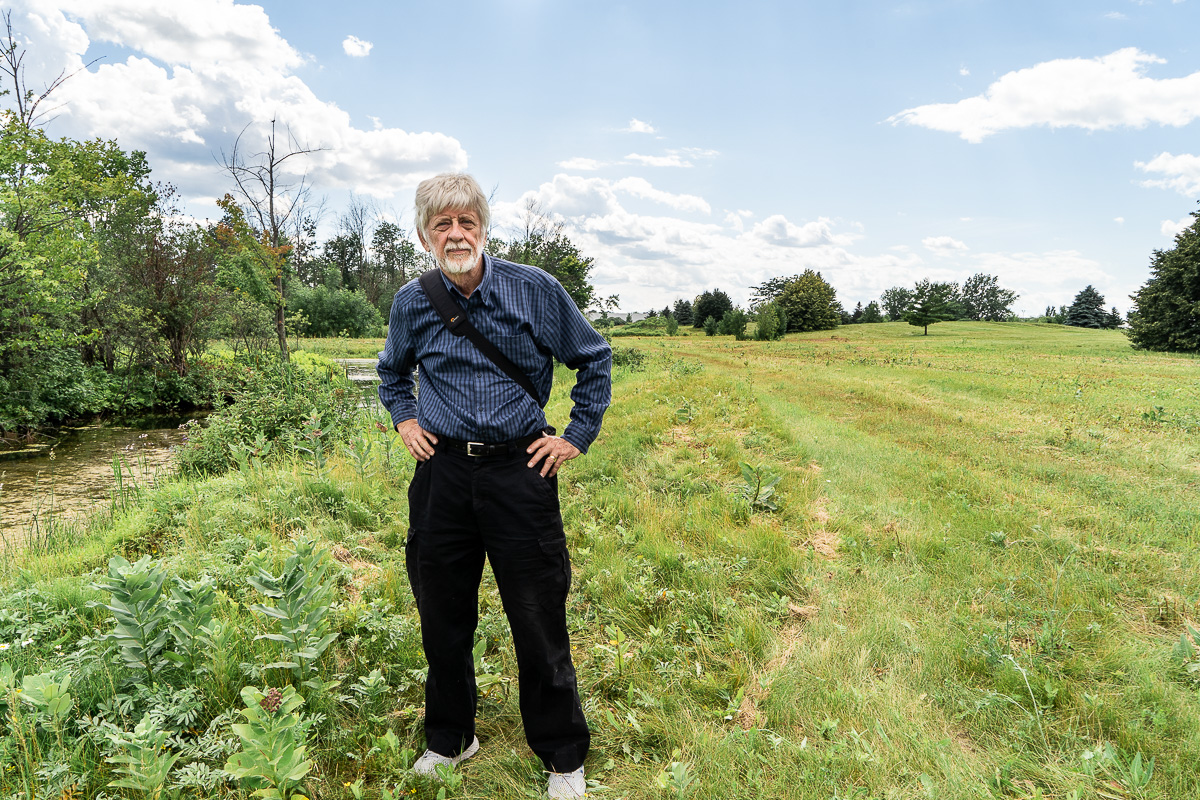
x=450, y=190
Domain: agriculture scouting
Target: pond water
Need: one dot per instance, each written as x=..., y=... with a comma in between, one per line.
x=76, y=476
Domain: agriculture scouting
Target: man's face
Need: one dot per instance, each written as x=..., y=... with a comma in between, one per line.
x=455, y=239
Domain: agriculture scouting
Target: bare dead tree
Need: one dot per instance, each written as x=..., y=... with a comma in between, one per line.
x=271, y=199
x=28, y=103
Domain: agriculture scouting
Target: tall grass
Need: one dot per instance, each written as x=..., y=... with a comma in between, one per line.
x=983, y=556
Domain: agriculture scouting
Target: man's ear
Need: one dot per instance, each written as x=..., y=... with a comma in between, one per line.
x=424, y=244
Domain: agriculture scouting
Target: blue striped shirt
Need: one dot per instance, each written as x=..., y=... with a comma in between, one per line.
x=528, y=315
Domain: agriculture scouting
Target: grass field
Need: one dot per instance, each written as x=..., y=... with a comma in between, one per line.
x=982, y=556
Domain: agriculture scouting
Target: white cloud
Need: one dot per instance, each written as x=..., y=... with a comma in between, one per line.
x=356, y=47
x=672, y=160
x=943, y=245
x=1119, y=220
x=778, y=231
x=964, y=71
x=640, y=187
x=1094, y=94
x=637, y=126
x=1182, y=171
x=585, y=164
x=201, y=72
x=1115, y=15
x=1171, y=228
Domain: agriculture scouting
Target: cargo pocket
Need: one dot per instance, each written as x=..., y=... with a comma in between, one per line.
x=553, y=594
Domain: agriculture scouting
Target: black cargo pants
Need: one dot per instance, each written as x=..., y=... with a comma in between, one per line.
x=461, y=509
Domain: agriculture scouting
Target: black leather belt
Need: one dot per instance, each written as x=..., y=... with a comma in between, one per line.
x=484, y=449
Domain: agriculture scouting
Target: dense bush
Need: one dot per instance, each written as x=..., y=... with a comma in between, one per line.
x=335, y=312
x=283, y=405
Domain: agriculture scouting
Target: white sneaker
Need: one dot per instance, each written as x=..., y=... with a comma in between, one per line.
x=566, y=785
x=427, y=764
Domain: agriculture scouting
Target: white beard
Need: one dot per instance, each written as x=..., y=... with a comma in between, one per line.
x=459, y=263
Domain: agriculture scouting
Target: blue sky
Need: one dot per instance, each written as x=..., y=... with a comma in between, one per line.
x=689, y=146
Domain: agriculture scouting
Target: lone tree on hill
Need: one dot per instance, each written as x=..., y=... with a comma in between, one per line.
x=929, y=305
x=1087, y=310
x=1166, y=314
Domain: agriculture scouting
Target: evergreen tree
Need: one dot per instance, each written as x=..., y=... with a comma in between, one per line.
x=733, y=324
x=856, y=317
x=710, y=304
x=872, y=313
x=1166, y=313
x=1087, y=311
x=929, y=305
x=683, y=312
x=710, y=326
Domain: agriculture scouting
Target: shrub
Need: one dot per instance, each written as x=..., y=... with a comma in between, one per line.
x=272, y=406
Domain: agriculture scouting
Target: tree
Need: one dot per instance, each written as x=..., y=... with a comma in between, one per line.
x=772, y=323
x=733, y=323
x=543, y=243
x=672, y=326
x=1087, y=310
x=895, y=302
x=1166, y=312
x=984, y=300
x=652, y=314
x=856, y=317
x=929, y=305
x=273, y=202
x=713, y=304
x=872, y=313
x=683, y=312
x=710, y=326
x=809, y=302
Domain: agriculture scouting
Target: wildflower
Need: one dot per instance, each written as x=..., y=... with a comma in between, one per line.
x=27, y=642
x=272, y=701
x=4, y=646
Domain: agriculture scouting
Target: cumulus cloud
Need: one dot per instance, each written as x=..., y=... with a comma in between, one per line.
x=645, y=257
x=943, y=245
x=640, y=187
x=637, y=126
x=1119, y=220
x=199, y=73
x=1182, y=172
x=1095, y=94
x=1115, y=15
x=964, y=71
x=1173, y=227
x=356, y=47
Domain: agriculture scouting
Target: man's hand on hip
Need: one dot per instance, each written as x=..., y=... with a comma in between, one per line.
x=419, y=441
x=552, y=451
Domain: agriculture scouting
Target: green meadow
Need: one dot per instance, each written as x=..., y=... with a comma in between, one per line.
x=863, y=563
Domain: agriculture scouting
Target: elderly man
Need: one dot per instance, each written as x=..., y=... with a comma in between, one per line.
x=485, y=482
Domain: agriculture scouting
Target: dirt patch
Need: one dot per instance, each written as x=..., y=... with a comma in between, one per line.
x=364, y=572
x=825, y=543
x=748, y=716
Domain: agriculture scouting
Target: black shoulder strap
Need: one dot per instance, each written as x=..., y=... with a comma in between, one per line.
x=455, y=319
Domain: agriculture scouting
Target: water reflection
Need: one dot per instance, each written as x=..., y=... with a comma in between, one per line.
x=77, y=475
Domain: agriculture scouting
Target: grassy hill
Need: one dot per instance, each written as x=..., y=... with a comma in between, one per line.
x=971, y=581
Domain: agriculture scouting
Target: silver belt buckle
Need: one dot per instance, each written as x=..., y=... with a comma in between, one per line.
x=475, y=444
